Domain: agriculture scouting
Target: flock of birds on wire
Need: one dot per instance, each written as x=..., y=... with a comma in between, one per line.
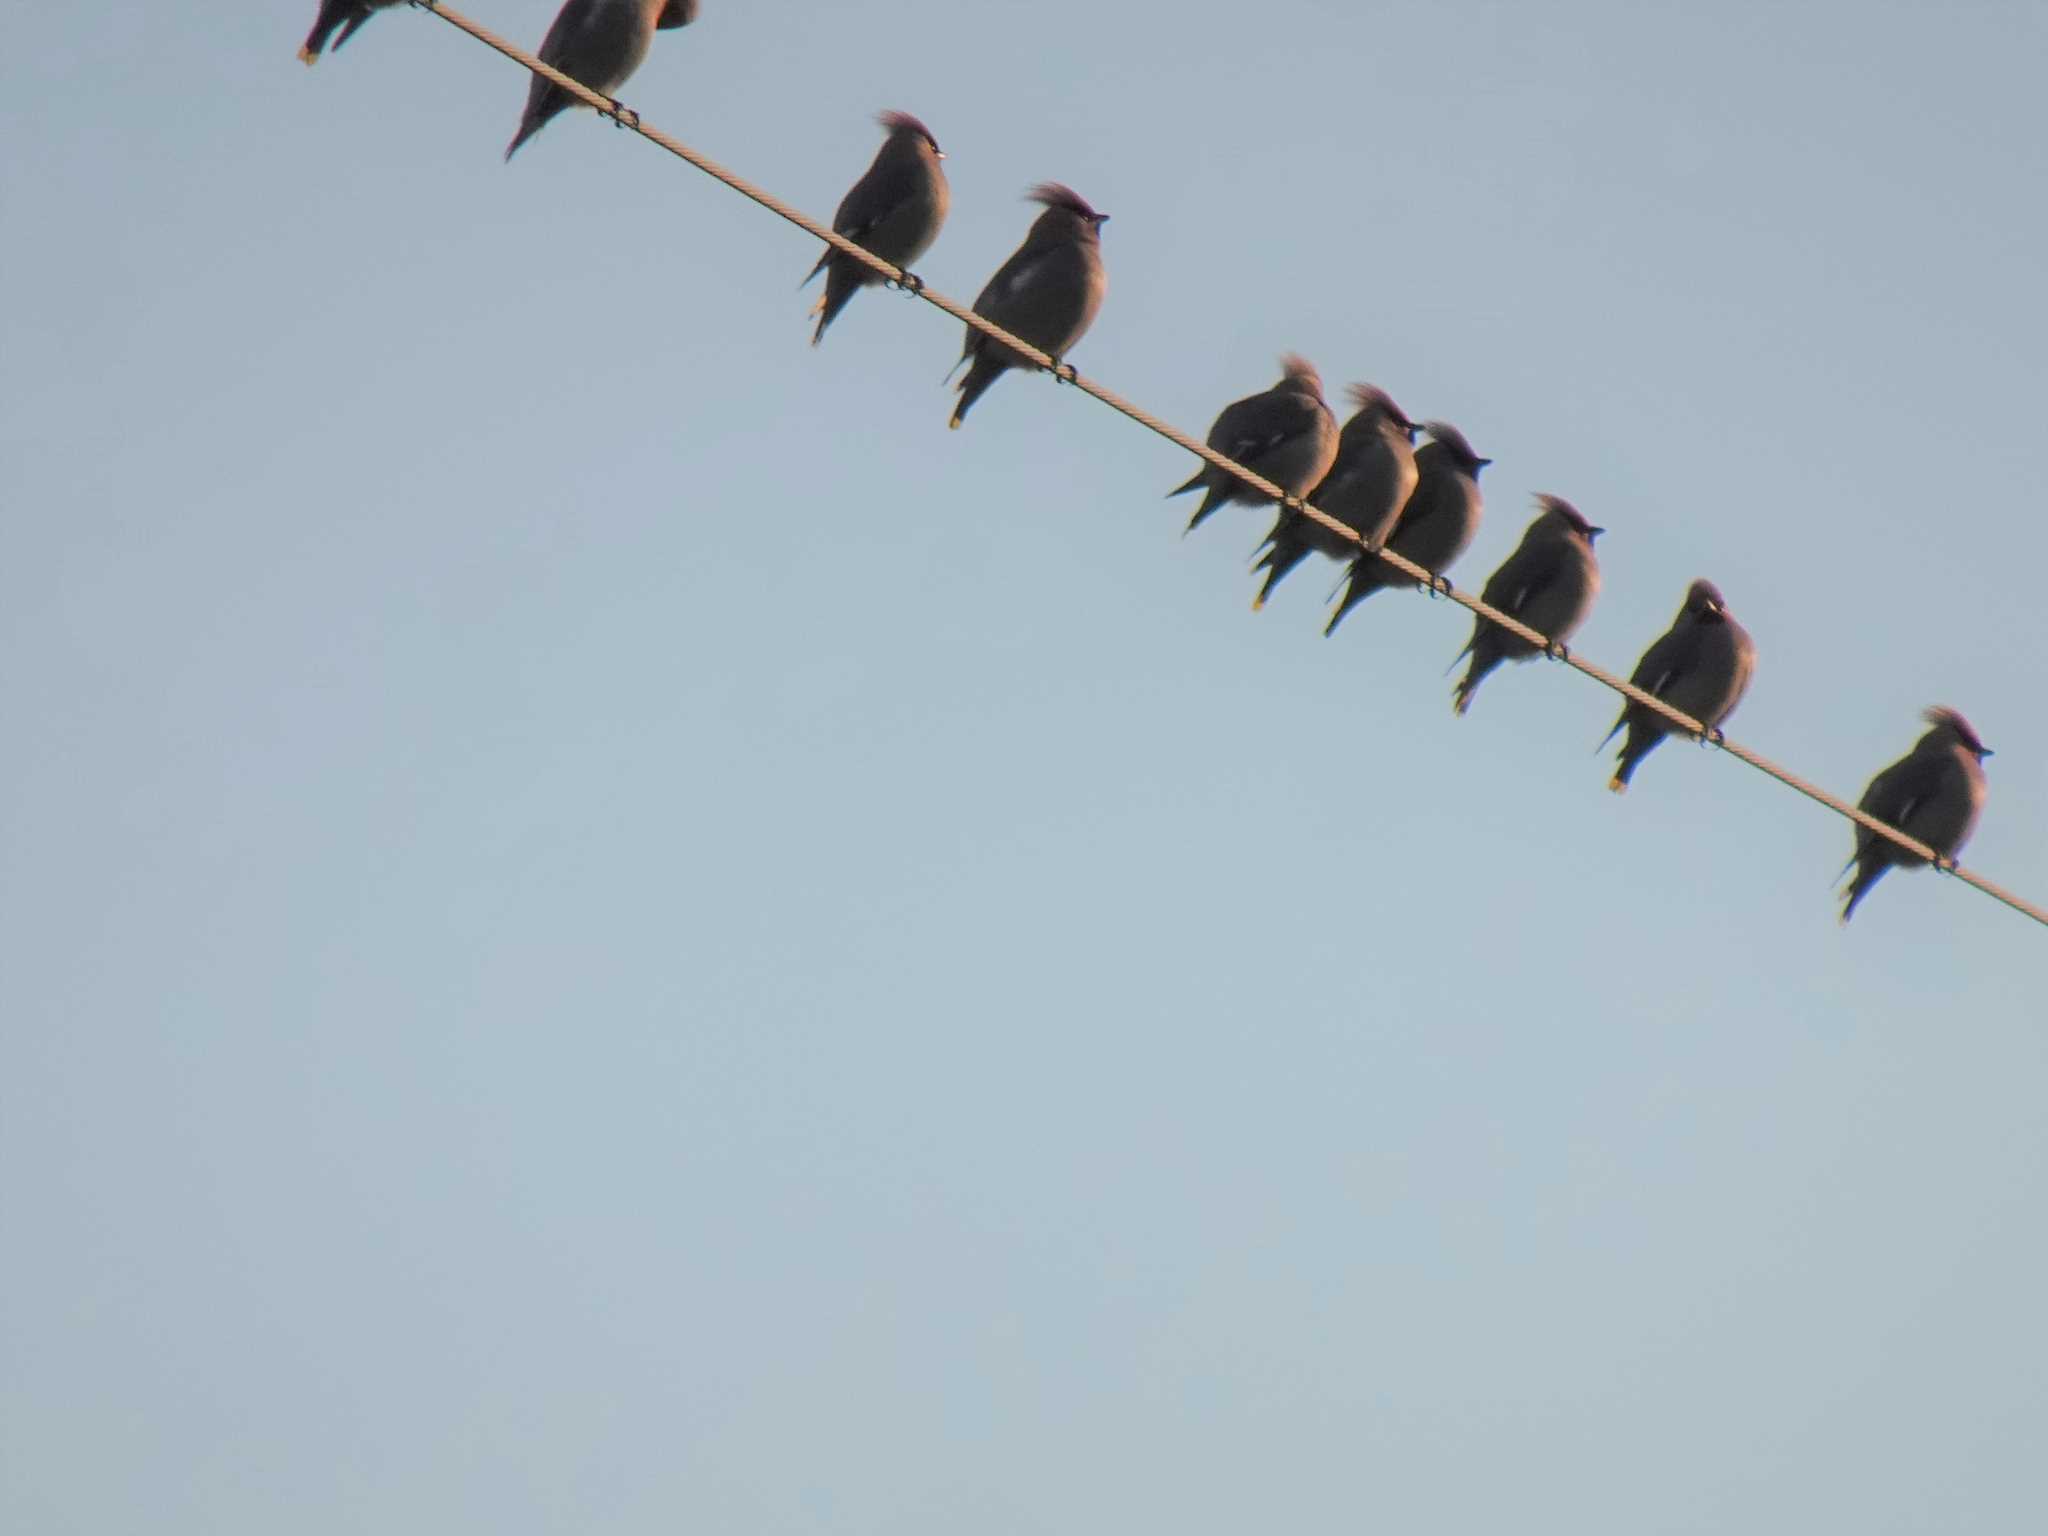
x=1421, y=503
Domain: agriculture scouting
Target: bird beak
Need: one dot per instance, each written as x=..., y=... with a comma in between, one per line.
x=1984, y=752
x=1481, y=463
x=938, y=154
x=1101, y=219
x=1594, y=533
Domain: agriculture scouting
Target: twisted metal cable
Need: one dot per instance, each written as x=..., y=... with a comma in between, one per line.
x=1064, y=372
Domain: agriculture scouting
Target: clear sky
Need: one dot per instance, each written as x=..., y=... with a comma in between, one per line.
x=604, y=927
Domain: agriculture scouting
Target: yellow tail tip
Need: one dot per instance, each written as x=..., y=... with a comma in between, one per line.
x=1259, y=603
x=308, y=57
x=1617, y=786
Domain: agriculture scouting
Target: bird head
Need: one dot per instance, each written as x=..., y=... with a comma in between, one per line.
x=1454, y=443
x=1301, y=373
x=1950, y=728
x=1066, y=210
x=903, y=125
x=1376, y=406
x=1703, y=600
x=1562, y=515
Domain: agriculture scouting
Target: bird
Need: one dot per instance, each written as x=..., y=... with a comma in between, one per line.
x=597, y=43
x=1047, y=293
x=345, y=14
x=1701, y=665
x=1436, y=525
x=1548, y=583
x=1285, y=433
x=894, y=210
x=1934, y=793
x=1364, y=489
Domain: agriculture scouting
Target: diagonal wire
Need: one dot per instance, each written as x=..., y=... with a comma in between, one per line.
x=1064, y=372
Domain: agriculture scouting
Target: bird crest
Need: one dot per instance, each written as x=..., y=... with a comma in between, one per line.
x=1054, y=194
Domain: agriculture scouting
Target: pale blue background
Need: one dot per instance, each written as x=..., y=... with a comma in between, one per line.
x=605, y=928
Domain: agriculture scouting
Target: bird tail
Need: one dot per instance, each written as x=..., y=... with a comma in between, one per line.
x=1216, y=497
x=527, y=129
x=1468, y=685
x=1193, y=482
x=1860, y=887
x=1624, y=770
x=837, y=295
x=1282, y=555
x=974, y=386
x=348, y=31
x=1612, y=733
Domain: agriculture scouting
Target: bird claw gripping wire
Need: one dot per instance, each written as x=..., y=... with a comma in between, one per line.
x=623, y=116
x=1438, y=585
x=1557, y=650
x=1713, y=736
x=1063, y=372
x=1293, y=505
x=906, y=281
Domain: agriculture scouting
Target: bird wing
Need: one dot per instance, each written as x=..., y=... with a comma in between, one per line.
x=1005, y=293
x=1520, y=578
x=1895, y=794
x=1663, y=663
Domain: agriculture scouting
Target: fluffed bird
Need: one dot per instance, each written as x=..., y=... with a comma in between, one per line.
x=1548, y=583
x=1434, y=528
x=1367, y=484
x=1285, y=433
x=597, y=43
x=1047, y=293
x=345, y=14
x=1702, y=665
x=1934, y=793
x=894, y=210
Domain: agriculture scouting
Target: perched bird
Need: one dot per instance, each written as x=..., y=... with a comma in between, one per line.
x=598, y=43
x=1047, y=293
x=1434, y=528
x=1933, y=793
x=1701, y=665
x=1548, y=583
x=1367, y=484
x=1285, y=433
x=345, y=14
x=894, y=210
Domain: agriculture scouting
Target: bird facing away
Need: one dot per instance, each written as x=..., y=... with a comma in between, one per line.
x=894, y=210
x=598, y=43
x=1047, y=293
x=1934, y=793
x=1367, y=484
x=1436, y=525
x=1548, y=583
x=345, y=14
x=1702, y=665
x=1285, y=433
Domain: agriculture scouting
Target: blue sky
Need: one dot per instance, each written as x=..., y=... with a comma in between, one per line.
x=603, y=925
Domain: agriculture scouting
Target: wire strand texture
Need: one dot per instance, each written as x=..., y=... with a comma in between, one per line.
x=1064, y=372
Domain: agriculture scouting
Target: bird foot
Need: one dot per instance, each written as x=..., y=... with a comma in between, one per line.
x=1557, y=650
x=906, y=281
x=623, y=116
x=1439, y=586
